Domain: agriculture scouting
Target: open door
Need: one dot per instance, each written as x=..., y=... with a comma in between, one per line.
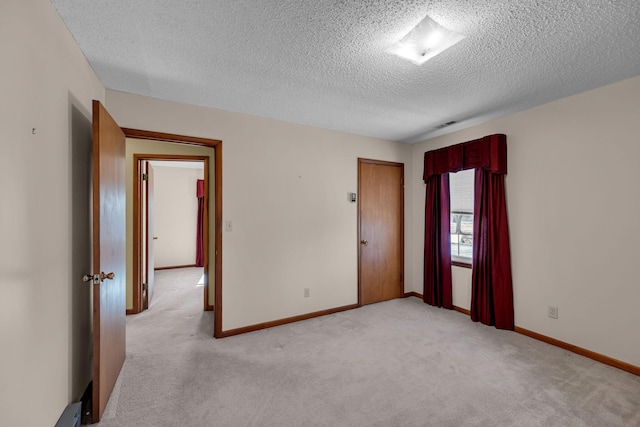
x=109, y=256
x=149, y=233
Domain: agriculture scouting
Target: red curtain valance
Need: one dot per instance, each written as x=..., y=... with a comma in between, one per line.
x=489, y=152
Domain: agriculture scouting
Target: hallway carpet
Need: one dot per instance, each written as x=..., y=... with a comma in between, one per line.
x=397, y=363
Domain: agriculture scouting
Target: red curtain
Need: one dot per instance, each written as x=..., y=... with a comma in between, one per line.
x=491, y=285
x=437, y=243
x=200, y=226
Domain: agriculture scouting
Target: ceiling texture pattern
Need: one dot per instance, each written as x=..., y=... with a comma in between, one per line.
x=323, y=62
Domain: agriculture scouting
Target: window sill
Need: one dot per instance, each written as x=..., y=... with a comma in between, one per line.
x=461, y=264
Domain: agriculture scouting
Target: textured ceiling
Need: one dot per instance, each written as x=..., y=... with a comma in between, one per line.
x=323, y=62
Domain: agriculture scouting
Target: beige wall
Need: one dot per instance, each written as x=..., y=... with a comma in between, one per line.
x=285, y=190
x=45, y=308
x=175, y=215
x=574, y=209
x=461, y=278
x=139, y=146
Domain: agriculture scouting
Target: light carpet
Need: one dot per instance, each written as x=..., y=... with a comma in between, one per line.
x=397, y=363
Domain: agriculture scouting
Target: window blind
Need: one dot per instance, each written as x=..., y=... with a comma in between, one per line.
x=461, y=186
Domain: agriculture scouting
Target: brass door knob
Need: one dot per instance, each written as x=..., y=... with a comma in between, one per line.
x=109, y=276
x=97, y=278
x=364, y=241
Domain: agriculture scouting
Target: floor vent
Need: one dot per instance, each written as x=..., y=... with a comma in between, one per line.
x=71, y=416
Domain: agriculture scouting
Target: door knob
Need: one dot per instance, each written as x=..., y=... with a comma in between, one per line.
x=109, y=276
x=364, y=241
x=97, y=278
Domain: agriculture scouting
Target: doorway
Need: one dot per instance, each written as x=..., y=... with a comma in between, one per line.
x=212, y=228
x=380, y=231
x=173, y=215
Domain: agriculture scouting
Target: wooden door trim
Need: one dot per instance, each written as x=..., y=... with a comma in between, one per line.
x=169, y=137
x=216, y=145
x=362, y=161
x=148, y=169
x=144, y=208
x=138, y=300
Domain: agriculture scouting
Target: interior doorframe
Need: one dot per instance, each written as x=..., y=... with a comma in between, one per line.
x=380, y=163
x=216, y=145
x=138, y=214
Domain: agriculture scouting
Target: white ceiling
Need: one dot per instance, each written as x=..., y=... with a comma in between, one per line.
x=323, y=62
x=178, y=164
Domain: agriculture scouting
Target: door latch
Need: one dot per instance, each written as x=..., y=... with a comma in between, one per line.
x=97, y=278
x=94, y=278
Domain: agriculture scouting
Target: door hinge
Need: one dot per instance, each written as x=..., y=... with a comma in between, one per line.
x=401, y=277
x=145, y=177
x=401, y=181
x=145, y=286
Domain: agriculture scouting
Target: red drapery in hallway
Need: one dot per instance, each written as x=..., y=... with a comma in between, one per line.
x=200, y=227
x=491, y=287
x=437, y=243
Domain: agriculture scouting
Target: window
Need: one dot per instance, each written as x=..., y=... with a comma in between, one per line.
x=461, y=190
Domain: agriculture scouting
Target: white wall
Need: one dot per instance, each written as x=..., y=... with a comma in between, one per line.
x=139, y=146
x=285, y=189
x=574, y=209
x=45, y=308
x=175, y=215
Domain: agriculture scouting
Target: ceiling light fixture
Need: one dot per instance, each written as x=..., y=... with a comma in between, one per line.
x=426, y=40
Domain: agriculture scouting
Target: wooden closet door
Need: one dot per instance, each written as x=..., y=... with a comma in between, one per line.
x=381, y=230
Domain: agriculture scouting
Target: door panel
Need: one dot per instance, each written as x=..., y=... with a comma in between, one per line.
x=142, y=170
x=150, y=233
x=381, y=233
x=109, y=237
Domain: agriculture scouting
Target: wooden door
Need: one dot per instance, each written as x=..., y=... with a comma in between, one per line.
x=150, y=235
x=109, y=238
x=381, y=230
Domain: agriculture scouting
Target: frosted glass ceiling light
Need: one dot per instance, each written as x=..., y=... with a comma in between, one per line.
x=425, y=41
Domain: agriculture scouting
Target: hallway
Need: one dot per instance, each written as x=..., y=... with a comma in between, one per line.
x=159, y=341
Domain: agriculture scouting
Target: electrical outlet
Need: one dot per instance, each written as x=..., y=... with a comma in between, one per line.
x=552, y=312
x=306, y=293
